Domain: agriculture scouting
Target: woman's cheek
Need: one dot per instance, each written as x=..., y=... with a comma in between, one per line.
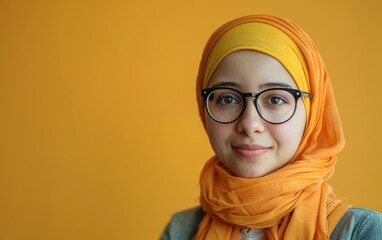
x=219, y=135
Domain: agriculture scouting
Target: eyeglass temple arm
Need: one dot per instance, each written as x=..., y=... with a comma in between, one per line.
x=306, y=94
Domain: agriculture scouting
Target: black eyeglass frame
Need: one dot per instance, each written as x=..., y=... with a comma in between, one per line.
x=295, y=93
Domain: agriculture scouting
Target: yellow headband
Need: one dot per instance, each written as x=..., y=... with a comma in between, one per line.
x=263, y=38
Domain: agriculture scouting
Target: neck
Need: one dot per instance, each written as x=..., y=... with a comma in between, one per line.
x=253, y=234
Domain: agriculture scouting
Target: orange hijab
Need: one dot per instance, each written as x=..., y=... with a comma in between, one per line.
x=294, y=202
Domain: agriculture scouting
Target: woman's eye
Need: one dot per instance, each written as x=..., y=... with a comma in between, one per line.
x=227, y=100
x=276, y=100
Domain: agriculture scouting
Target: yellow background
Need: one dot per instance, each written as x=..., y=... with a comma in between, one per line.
x=99, y=131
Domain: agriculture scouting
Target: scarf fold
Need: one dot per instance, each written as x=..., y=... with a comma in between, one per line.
x=296, y=201
x=292, y=203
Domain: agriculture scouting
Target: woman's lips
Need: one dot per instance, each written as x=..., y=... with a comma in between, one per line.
x=250, y=150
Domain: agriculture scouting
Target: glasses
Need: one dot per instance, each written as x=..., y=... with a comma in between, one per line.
x=274, y=105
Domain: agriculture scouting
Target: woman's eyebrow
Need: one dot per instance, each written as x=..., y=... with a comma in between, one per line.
x=225, y=84
x=274, y=84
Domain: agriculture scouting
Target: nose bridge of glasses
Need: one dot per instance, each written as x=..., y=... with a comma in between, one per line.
x=250, y=94
x=253, y=97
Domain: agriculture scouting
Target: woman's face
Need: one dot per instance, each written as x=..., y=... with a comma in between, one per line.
x=251, y=147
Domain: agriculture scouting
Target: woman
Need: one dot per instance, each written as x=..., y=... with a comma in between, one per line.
x=267, y=105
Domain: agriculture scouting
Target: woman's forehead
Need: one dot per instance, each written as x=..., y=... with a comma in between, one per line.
x=251, y=69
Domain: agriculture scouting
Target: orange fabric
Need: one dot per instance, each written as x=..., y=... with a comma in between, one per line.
x=294, y=202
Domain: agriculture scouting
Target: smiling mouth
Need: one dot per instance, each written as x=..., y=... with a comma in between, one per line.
x=251, y=151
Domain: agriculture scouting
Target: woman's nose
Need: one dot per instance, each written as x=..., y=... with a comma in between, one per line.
x=250, y=121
